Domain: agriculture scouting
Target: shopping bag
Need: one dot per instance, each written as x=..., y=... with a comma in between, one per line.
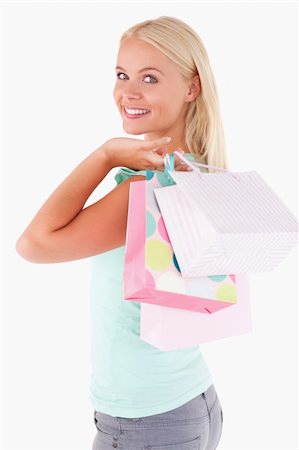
x=171, y=329
x=225, y=222
x=151, y=274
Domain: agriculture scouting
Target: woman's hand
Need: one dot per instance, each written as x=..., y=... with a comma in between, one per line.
x=139, y=154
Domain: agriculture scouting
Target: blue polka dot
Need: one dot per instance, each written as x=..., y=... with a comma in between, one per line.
x=150, y=224
x=149, y=174
x=217, y=278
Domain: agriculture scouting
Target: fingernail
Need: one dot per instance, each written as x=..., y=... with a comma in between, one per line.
x=189, y=169
x=167, y=138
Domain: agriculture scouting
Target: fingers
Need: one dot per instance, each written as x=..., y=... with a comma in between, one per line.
x=183, y=168
x=158, y=162
x=180, y=165
x=158, y=149
x=161, y=151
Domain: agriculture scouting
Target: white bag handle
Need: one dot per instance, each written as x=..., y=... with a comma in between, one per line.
x=192, y=163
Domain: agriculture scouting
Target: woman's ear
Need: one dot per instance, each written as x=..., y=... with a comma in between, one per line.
x=194, y=88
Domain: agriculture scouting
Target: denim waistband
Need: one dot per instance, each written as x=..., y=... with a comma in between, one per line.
x=187, y=412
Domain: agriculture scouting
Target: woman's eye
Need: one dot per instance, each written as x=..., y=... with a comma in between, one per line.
x=150, y=78
x=153, y=78
x=120, y=73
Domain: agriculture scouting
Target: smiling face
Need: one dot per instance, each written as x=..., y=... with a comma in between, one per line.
x=151, y=94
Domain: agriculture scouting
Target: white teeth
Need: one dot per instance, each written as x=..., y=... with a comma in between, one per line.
x=136, y=111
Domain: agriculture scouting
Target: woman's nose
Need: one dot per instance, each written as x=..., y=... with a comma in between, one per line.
x=131, y=90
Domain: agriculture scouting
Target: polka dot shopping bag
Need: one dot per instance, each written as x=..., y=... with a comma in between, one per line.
x=151, y=271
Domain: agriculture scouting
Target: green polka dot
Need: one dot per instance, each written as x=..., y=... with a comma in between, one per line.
x=158, y=255
x=226, y=292
x=217, y=278
x=150, y=224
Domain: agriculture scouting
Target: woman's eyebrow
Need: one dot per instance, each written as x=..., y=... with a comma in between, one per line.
x=141, y=70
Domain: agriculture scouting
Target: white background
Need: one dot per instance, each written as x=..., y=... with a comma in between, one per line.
x=59, y=61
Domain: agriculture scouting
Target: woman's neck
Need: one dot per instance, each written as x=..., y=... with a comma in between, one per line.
x=176, y=142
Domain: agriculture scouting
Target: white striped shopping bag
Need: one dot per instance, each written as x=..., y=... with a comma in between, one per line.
x=229, y=222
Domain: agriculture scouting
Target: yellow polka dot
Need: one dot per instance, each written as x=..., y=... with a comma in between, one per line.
x=227, y=293
x=158, y=255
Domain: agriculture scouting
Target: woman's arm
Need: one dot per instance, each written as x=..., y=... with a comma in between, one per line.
x=62, y=230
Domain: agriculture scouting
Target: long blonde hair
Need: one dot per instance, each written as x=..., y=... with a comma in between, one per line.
x=204, y=136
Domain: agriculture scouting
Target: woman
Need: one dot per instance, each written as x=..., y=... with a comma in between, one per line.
x=165, y=90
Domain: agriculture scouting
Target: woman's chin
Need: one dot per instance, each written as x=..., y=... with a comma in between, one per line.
x=134, y=130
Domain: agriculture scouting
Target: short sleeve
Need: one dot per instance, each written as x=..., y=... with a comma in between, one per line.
x=125, y=172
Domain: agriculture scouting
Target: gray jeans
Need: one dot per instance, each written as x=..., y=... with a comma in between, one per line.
x=196, y=425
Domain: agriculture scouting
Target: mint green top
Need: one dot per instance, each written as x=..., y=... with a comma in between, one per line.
x=131, y=378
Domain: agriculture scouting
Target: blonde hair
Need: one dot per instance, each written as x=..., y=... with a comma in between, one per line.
x=204, y=136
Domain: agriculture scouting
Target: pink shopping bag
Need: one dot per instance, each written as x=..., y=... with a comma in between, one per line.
x=171, y=328
x=147, y=277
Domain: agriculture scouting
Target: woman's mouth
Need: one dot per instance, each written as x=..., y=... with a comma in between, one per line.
x=131, y=113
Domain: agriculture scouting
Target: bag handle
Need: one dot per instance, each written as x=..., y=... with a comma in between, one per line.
x=191, y=164
x=168, y=162
x=169, y=165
